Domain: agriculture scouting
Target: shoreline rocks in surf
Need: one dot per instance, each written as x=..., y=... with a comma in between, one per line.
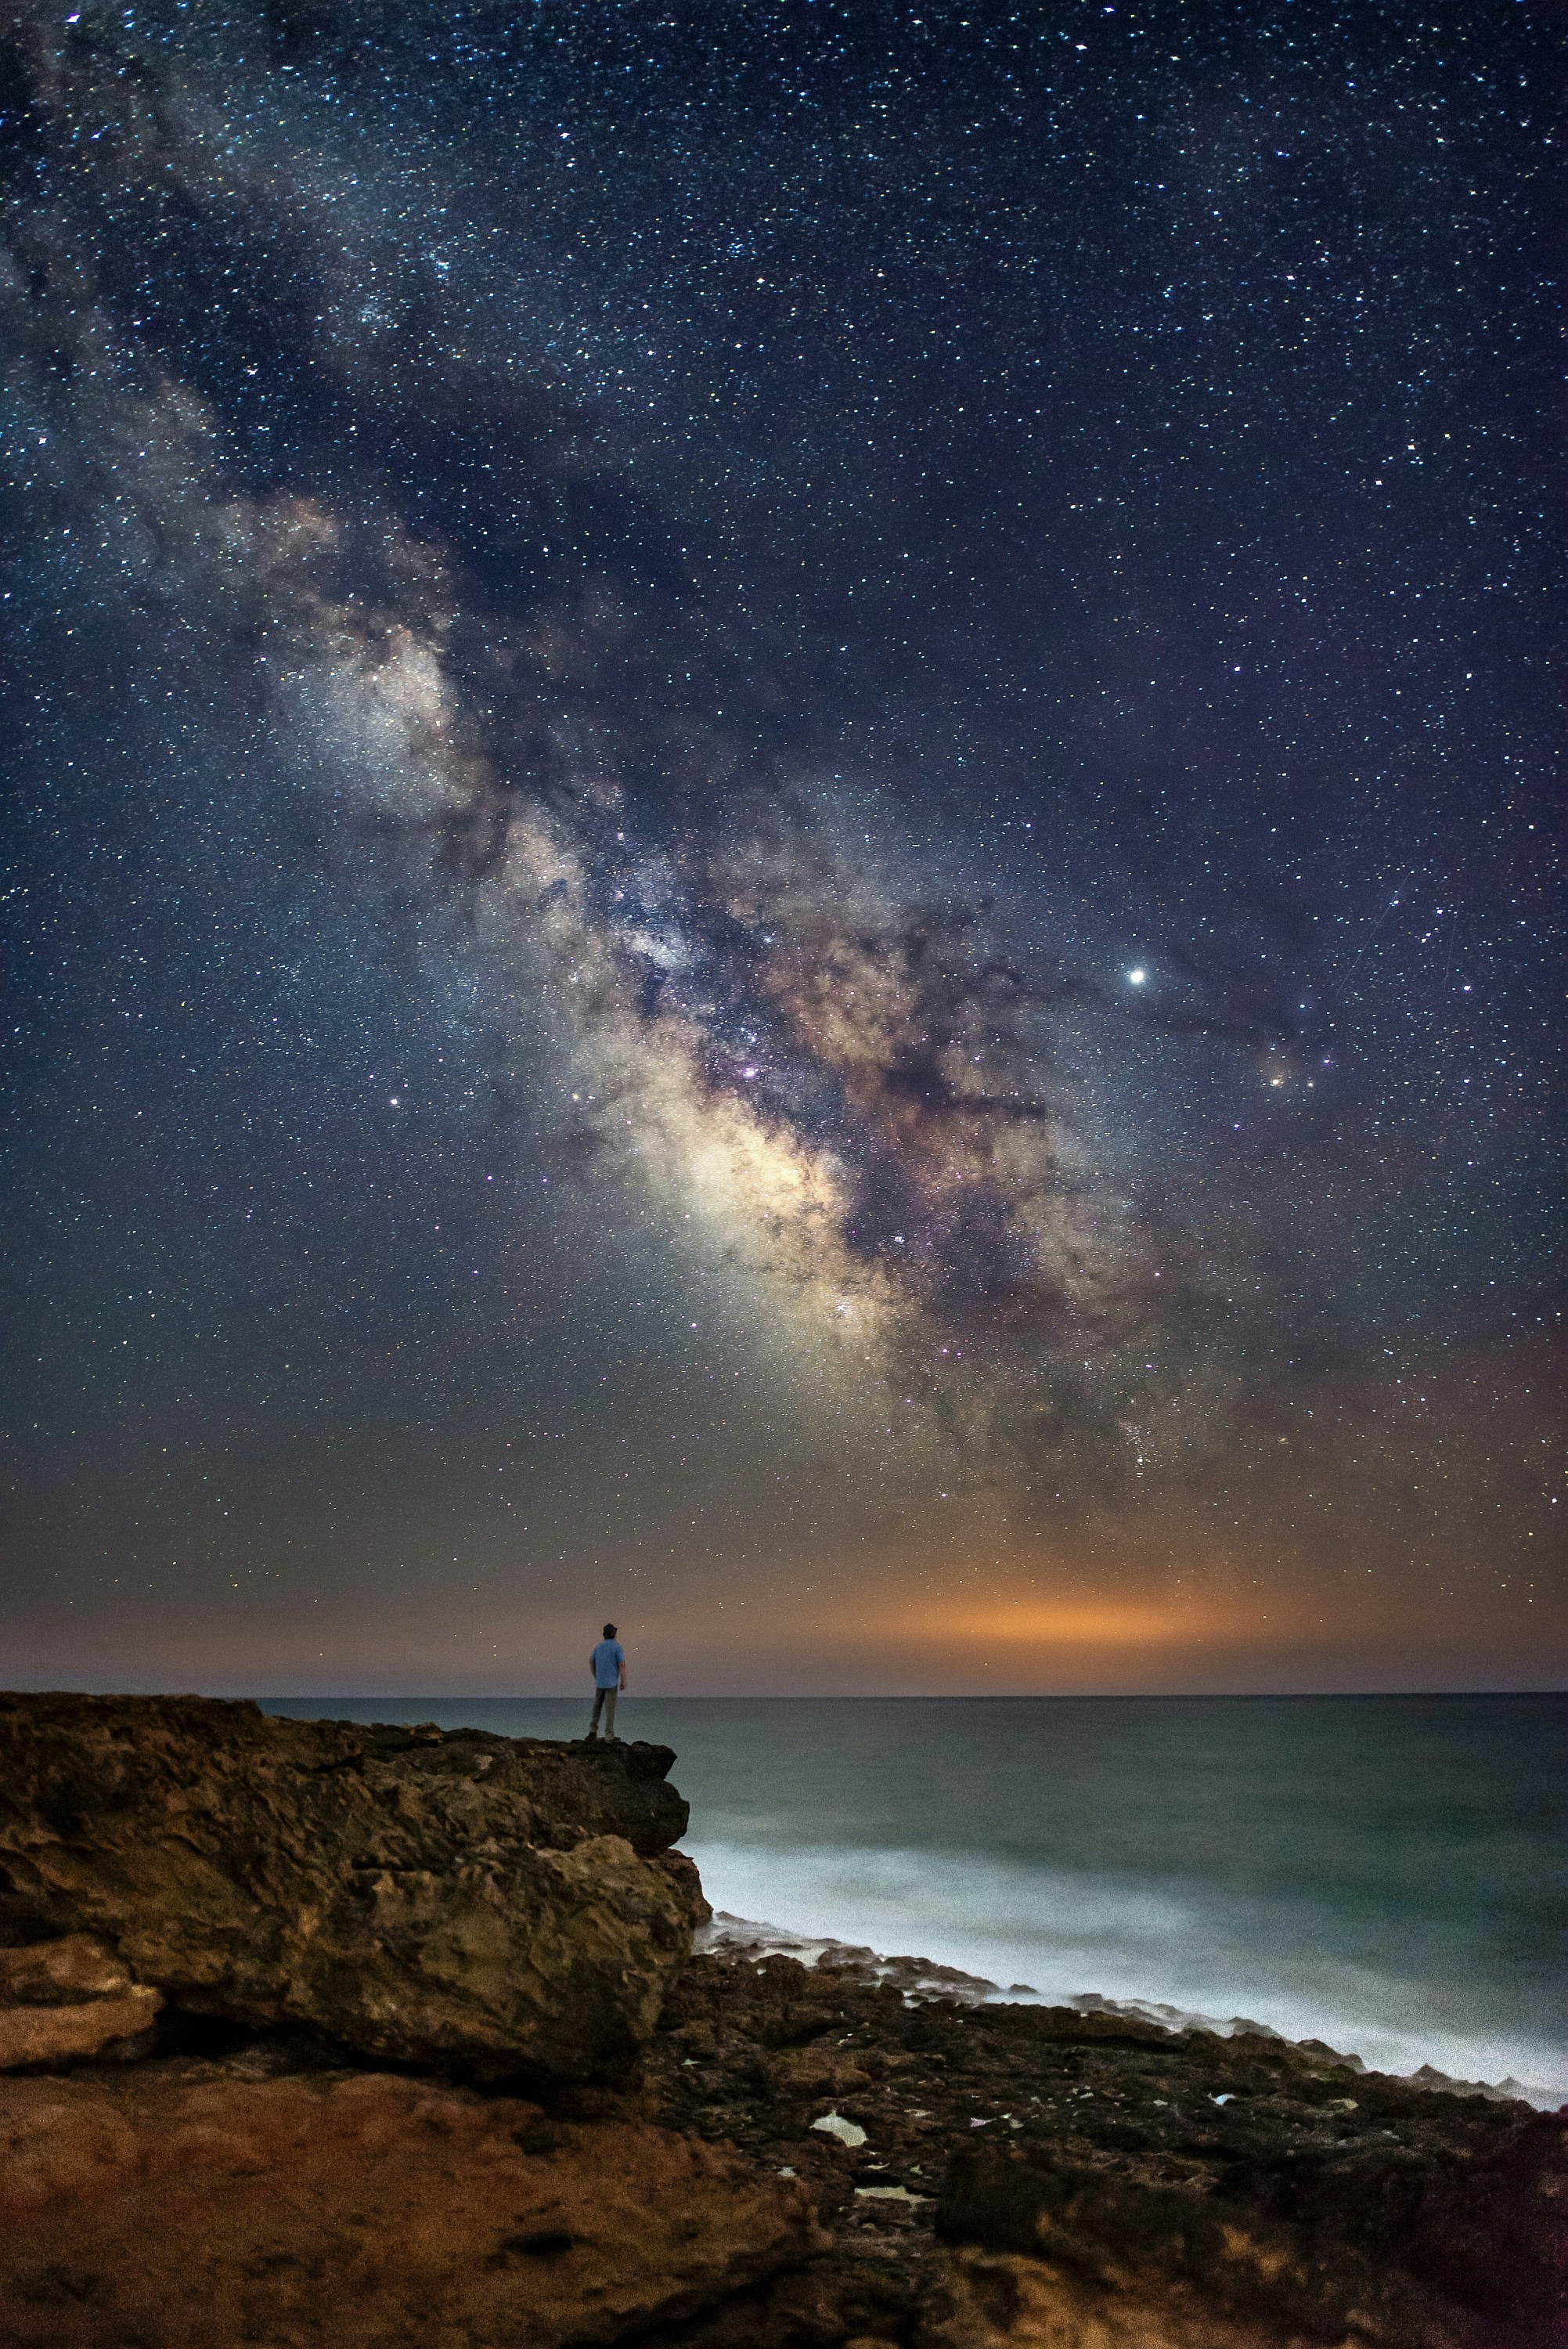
x=1269, y=2185
x=724, y=1935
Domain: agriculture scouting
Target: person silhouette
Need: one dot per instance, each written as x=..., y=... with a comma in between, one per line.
x=608, y=1665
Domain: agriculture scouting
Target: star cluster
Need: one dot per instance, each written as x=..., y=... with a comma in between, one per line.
x=779, y=839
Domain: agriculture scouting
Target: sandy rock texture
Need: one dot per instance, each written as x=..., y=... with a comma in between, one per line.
x=180, y=2205
x=507, y=1905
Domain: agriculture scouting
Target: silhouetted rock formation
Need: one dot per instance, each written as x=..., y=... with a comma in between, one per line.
x=500, y=1904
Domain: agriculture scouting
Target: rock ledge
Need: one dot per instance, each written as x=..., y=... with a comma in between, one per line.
x=507, y=1905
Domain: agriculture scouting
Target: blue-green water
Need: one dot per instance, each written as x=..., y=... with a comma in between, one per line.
x=1385, y=1873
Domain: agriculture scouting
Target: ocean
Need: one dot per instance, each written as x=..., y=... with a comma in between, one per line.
x=1383, y=1873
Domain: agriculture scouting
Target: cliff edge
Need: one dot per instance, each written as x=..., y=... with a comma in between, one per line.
x=323, y=2036
x=507, y=1905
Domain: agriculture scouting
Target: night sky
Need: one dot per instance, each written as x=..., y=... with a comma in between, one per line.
x=776, y=846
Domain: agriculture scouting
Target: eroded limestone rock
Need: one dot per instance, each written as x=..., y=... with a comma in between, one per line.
x=102, y=2030
x=1078, y=2178
x=68, y=2001
x=506, y=1904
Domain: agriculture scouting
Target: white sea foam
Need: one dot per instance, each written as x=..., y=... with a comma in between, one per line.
x=1081, y=1939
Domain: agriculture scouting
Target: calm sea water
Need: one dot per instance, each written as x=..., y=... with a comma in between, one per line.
x=1385, y=1873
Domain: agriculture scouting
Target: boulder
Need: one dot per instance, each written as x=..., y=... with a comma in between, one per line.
x=506, y=1904
x=70, y=2001
x=184, y=2205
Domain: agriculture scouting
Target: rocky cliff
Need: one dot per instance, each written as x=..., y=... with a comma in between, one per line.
x=216, y=1929
x=506, y=1905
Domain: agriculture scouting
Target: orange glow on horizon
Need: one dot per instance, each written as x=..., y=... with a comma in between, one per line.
x=1096, y=1622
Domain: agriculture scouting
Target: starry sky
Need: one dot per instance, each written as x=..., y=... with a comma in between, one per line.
x=776, y=846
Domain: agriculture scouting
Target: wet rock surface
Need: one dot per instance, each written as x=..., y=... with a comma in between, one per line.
x=508, y=1904
x=1243, y=2180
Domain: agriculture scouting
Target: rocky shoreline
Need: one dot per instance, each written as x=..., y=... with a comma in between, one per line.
x=922, y=1977
x=318, y=2034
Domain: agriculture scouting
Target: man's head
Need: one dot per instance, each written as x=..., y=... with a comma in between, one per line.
x=609, y=1631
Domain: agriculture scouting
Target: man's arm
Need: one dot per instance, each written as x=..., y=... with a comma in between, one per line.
x=622, y=1675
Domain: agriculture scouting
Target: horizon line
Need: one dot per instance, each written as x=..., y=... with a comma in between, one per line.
x=904, y=1696
x=802, y=1696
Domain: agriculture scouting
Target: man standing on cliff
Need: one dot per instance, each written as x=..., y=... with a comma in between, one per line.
x=608, y=1662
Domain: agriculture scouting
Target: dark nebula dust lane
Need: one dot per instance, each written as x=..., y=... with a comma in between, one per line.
x=778, y=829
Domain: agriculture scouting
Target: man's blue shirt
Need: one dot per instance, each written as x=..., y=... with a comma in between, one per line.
x=607, y=1659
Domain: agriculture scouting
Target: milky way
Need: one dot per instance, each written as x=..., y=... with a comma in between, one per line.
x=783, y=777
